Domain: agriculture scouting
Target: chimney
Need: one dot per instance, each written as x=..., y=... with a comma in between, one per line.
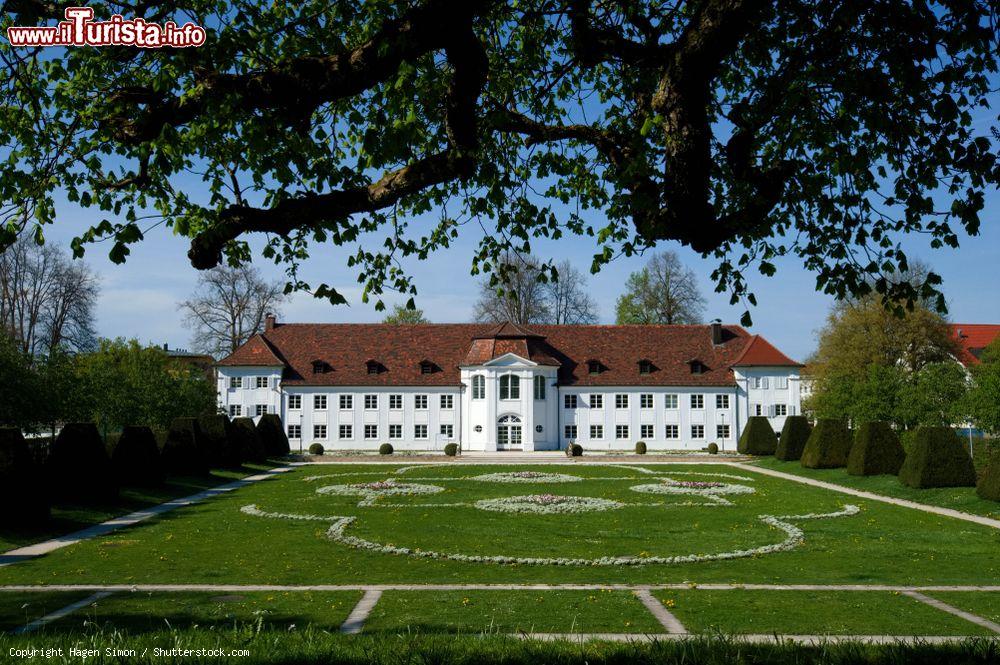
x=165, y=347
x=269, y=322
x=716, y=332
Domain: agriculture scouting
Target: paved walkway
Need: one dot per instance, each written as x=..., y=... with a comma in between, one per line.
x=950, y=609
x=39, y=549
x=937, y=510
x=356, y=619
x=62, y=612
x=540, y=457
x=235, y=588
x=671, y=623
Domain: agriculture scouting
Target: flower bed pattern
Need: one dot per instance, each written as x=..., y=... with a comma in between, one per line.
x=371, y=492
x=526, y=477
x=547, y=504
x=711, y=491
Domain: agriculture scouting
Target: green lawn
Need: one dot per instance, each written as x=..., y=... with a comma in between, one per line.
x=985, y=605
x=811, y=613
x=956, y=498
x=214, y=542
x=17, y=609
x=511, y=612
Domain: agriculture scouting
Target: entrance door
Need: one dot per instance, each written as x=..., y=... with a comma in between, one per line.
x=509, y=433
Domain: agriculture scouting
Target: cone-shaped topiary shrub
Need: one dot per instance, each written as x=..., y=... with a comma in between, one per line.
x=272, y=435
x=136, y=457
x=248, y=440
x=988, y=486
x=937, y=458
x=640, y=447
x=385, y=449
x=828, y=446
x=79, y=468
x=793, y=438
x=451, y=449
x=184, y=452
x=758, y=437
x=221, y=443
x=24, y=496
x=876, y=451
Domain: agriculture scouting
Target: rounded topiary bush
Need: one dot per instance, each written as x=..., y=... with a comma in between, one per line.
x=937, y=458
x=988, y=486
x=574, y=450
x=221, y=443
x=273, y=436
x=184, y=453
x=876, y=451
x=828, y=446
x=792, y=441
x=385, y=449
x=713, y=449
x=451, y=449
x=757, y=438
x=248, y=440
x=79, y=467
x=640, y=447
x=136, y=457
x=316, y=449
x=24, y=497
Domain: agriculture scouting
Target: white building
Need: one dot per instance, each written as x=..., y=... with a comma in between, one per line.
x=503, y=387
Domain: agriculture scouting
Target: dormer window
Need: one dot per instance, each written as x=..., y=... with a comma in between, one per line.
x=374, y=367
x=427, y=367
x=320, y=367
x=697, y=367
x=646, y=367
x=595, y=367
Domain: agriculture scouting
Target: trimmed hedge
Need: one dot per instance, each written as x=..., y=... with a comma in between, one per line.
x=640, y=447
x=988, y=486
x=758, y=438
x=221, y=444
x=136, y=457
x=792, y=442
x=24, y=499
x=829, y=445
x=248, y=440
x=451, y=449
x=316, y=449
x=574, y=450
x=385, y=449
x=272, y=435
x=184, y=452
x=937, y=458
x=713, y=448
x=79, y=468
x=876, y=451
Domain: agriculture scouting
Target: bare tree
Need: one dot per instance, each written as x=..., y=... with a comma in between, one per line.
x=568, y=299
x=228, y=307
x=664, y=291
x=46, y=299
x=525, y=291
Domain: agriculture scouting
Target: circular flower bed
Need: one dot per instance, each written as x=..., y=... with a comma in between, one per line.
x=703, y=488
x=374, y=490
x=527, y=477
x=547, y=504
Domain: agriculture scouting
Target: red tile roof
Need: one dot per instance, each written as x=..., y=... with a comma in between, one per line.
x=347, y=348
x=972, y=338
x=257, y=351
x=761, y=353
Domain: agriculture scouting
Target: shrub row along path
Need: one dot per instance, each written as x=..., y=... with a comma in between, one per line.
x=946, y=512
x=39, y=549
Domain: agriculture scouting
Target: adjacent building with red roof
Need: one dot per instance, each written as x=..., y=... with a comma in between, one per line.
x=972, y=339
x=505, y=386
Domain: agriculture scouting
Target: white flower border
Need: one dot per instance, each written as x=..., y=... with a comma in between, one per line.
x=512, y=477
x=370, y=495
x=565, y=505
x=794, y=536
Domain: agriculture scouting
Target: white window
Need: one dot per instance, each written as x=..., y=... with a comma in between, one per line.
x=670, y=401
x=781, y=409
x=722, y=401
x=345, y=432
x=646, y=431
x=697, y=401
x=697, y=431
x=478, y=387
x=371, y=431
x=597, y=431
x=569, y=432
x=295, y=431
x=621, y=431
x=295, y=401
x=510, y=387
x=646, y=401
x=371, y=402
x=395, y=402
x=260, y=409
x=448, y=431
x=621, y=401
x=420, y=401
x=347, y=401
x=757, y=409
x=539, y=387
x=447, y=401
x=722, y=431
x=395, y=431
x=597, y=401
x=235, y=410
x=760, y=382
x=319, y=402
x=569, y=401
x=319, y=431
x=236, y=382
x=262, y=382
x=672, y=432
x=781, y=382
x=420, y=431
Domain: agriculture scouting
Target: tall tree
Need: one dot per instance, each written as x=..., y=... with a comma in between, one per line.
x=404, y=314
x=983, y=402
x=569, y=300
x=228, y=307
x=733, y=127
x=664, y=291
x=524, y=290
x=46, y=300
